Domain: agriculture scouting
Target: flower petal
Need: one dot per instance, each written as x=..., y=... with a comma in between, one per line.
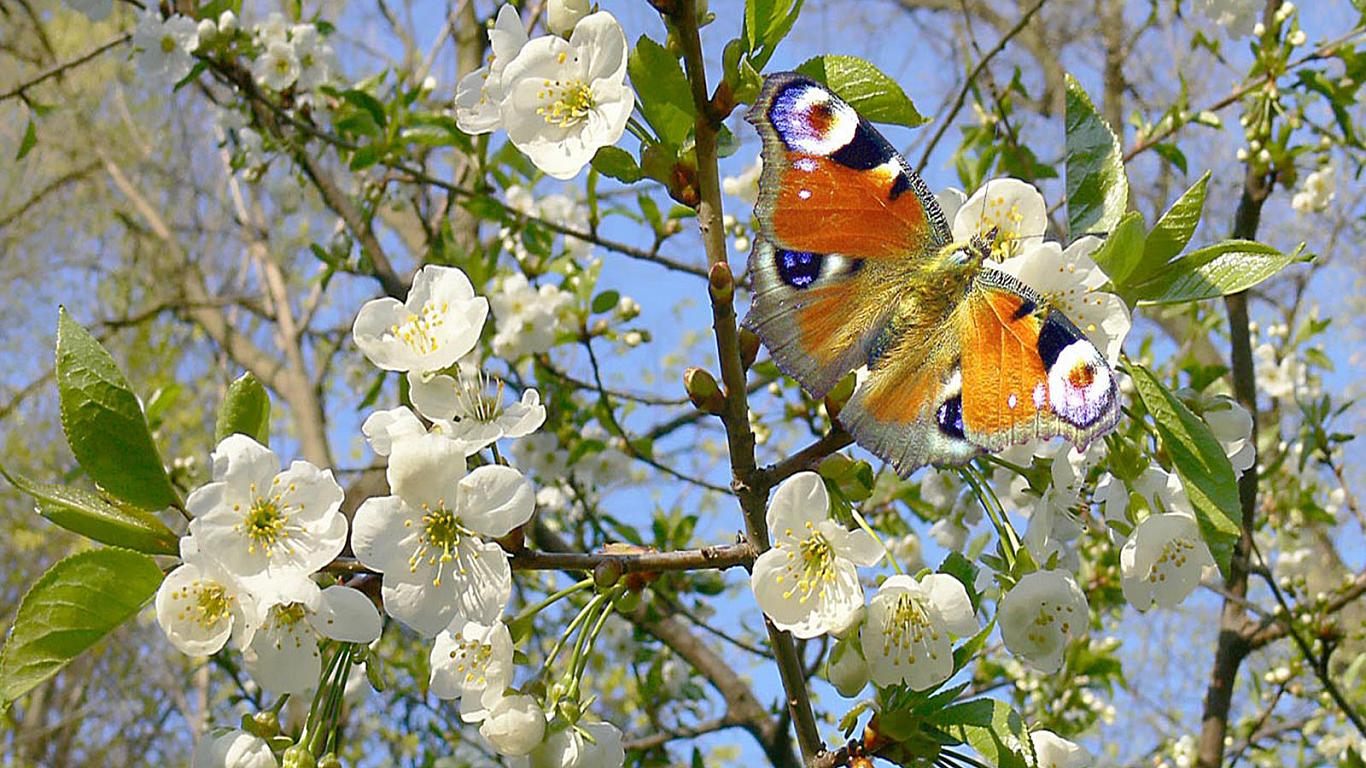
x=346, y=614
x=494, y=500
x=949, y=596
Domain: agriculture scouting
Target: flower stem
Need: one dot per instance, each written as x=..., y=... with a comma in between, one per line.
x=553, y=598
x=858, y=518
x=987, y=498
x=569, y=631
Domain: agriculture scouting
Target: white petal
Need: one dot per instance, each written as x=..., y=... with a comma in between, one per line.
x=373, y=332
x=433, y=396
x=426, y=470
x=799, y=500
x=523, y=418
x=858, y=546
x=384, y=428
x=415, y=601
x=494, y=500
x=240, y=460
x=770, y=584
x=482, y=583
x=514, y=726
x=379, y=536
x=346, y=614
x=285, y=659
x=599, y=38
x=178, y=613
x=949, y=596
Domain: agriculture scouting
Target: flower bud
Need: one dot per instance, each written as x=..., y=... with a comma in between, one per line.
x=703, y=391
x=298, y=756
x=607, y=574
x=265, y=724
x=562, y=15
x=514, y=726
x=227, y=22
x=207, y=30
x=721, y=283
x=627, y=602
x=330, y=760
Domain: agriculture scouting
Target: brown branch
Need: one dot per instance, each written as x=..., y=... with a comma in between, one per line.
x=749, y=489
x=718, y=557
x=661, y=738
x=807, y=457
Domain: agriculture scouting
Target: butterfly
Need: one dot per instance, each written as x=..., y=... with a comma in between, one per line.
x=854, y=268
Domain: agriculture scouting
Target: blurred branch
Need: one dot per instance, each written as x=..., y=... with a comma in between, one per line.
x=62, y=67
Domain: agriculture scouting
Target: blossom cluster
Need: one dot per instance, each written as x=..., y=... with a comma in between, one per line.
x=559, y=100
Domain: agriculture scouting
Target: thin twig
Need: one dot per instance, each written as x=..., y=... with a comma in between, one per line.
x=60, y=67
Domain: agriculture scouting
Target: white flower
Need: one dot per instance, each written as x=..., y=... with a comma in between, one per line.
x=846, y=669
x=283, y=656
x=529, y=318
x=1014, y=208
x=479, y=94
x=562, y=15
x=164, y=47
x=1277, y=378
x=1162, y=561
x=384, y=428
x=906, y=637
x=1041, y=615
x=95, y=10
x=949, y=533
x=808, y=583
x=908, y=551
x=317, y=60
x=428, y=538
x=1053, y=751
x=1069, y=280
x=234, y=749
x=746, y=185
x=227, y=22
x=1320, y=188
x=200, y=605
x=514, y=726
x=562, y=101
x=1232, y=427
x=273, y=28
x=437, y=325
x=472, y=662
x=1162, y=490
x=278, y=67
x=1237, y=17
x=583, y=745
x=466, y=411
x=262, y=524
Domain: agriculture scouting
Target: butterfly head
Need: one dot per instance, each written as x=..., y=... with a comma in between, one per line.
x=973, y=251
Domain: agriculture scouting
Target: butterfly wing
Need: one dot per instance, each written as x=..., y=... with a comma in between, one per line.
x=837, y=208
x=1029, y=372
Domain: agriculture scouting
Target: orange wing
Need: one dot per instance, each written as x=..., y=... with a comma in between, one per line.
x=832, y=183
x=1028, y=372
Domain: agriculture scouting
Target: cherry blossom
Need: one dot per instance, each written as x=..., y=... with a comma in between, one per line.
x=438, y=324
x=906, y=638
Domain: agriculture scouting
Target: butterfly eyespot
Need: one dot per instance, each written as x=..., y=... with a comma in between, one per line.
x=798, y=269
x=950, y=417
x=1012, y=401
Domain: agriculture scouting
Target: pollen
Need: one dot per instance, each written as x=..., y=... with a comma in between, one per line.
x=421, y=331
x=266, y=522
x=439, y=542
x=568, y=103
x=813, y=567
x=908, y=625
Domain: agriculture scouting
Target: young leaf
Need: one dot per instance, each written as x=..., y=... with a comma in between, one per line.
x=993, y=728
x=27, y=143
x=1213, y=271
x=767, y=22
x=70, y=608
x=1171, y=232
x=663, y=94
x=83, y=512
x=618, y=164
x=1097, y=189
x=875, y=95
x=1123, y=249
x=1199, y=460
x=104, y=422
x=245, y=410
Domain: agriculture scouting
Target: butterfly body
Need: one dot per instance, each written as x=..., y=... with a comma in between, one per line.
x=854, y=269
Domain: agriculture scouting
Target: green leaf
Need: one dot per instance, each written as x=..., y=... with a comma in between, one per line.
x=104, y=422
x=27, y=143
x=767, y=22
x=618, y=164
x=86, y=513
x=875, y=95
x=1123, y=249
x=1199, y=460
x=1171, y=232
x=71, y=607
x=993, y=728
x=1097, y=189
x=662, y=91
x=364, y=101
x=245, y=410
x=605, y=302
x=1213, y=271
